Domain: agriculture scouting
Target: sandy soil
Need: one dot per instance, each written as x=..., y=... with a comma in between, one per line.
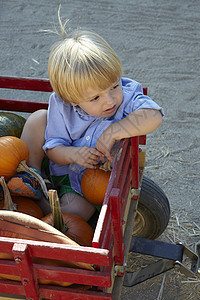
x=158, y=44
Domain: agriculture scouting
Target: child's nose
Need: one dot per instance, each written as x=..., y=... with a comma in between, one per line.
x=110, y=99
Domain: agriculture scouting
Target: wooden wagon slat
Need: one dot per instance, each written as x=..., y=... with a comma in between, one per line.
x=25, y=83
x=21, y=105
x=53, y=292
x=63, y=274
x=135, y=162
x=118, y=167
x=13, y=287
x=50, y=250
x=27, y=272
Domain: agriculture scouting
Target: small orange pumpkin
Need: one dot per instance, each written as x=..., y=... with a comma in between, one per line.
x=28, y=206
x=13, y=151
x=75, y=227
x=14, y=158
x=94, y=185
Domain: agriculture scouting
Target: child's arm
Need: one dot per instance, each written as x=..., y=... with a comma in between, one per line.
x=139, y=122
x=84, y=156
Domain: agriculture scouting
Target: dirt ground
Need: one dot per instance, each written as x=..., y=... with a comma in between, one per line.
x=158, y=43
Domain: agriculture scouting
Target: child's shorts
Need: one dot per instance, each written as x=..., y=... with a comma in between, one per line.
x=62, y=183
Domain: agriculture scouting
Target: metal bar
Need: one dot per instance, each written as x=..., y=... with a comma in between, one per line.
x=152, y=270
x=156, y=248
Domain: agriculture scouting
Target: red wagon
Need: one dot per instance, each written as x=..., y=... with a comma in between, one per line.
x=131, y=201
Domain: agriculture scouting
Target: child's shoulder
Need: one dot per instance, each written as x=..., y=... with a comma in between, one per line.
x=130, y=86
x=129, y=83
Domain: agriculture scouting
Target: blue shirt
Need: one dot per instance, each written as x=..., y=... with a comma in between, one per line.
x=71, y=126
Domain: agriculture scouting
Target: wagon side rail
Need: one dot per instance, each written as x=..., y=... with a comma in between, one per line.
x=28, y=84
x=27, y=273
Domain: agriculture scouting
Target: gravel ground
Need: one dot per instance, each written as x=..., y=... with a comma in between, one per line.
x=158, y=44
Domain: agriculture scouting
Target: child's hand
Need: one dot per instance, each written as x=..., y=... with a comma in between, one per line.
x=87, y=156
x=105, y=144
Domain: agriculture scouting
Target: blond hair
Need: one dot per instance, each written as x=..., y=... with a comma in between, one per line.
x=82, y=60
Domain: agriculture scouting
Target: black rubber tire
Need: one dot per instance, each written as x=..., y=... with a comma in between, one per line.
x=153, y=211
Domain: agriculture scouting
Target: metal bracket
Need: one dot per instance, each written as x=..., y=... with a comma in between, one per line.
x=172, y=257
x=120, y=268
x=135, y=192
x=194, y=262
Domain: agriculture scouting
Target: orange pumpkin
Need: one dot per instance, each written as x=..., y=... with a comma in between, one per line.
x=28, y=206
x=14, y=158
x=75, y=228
x=94, y=185
x=71, y=225
x=13, y=151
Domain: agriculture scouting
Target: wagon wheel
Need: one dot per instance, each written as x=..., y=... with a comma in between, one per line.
x=153, y=211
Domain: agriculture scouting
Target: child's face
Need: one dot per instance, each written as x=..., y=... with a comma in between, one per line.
x=104, y=103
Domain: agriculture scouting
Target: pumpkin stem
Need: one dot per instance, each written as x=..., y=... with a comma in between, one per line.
x=23, y=167
x=8, y=203
x=58, y=221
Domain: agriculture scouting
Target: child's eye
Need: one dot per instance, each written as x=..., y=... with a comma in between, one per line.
x=115, y=86
x=95, y=99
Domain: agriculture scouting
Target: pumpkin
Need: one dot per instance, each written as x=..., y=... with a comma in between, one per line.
x=27, y=206
x=71, y=225
x=13, y=151
x=22, y=226
x=94, y=185
x=21, y=204
x=14, y=158
x=11, y=124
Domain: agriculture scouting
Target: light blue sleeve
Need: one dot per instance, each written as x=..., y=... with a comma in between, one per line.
x=135, y=99
x=56, y=133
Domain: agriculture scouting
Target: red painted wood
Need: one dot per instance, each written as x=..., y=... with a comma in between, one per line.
x=135, y=162
x=116, y=224
x=69, y=293
x=119, y=160
x=63, y=274
x=21, y=105
x=11, y=287
x=27, y=272
x=31, y=84
x=9, y=267
x=145, y=90
x=51, y=250
x=142, y=139
x=53, y=292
